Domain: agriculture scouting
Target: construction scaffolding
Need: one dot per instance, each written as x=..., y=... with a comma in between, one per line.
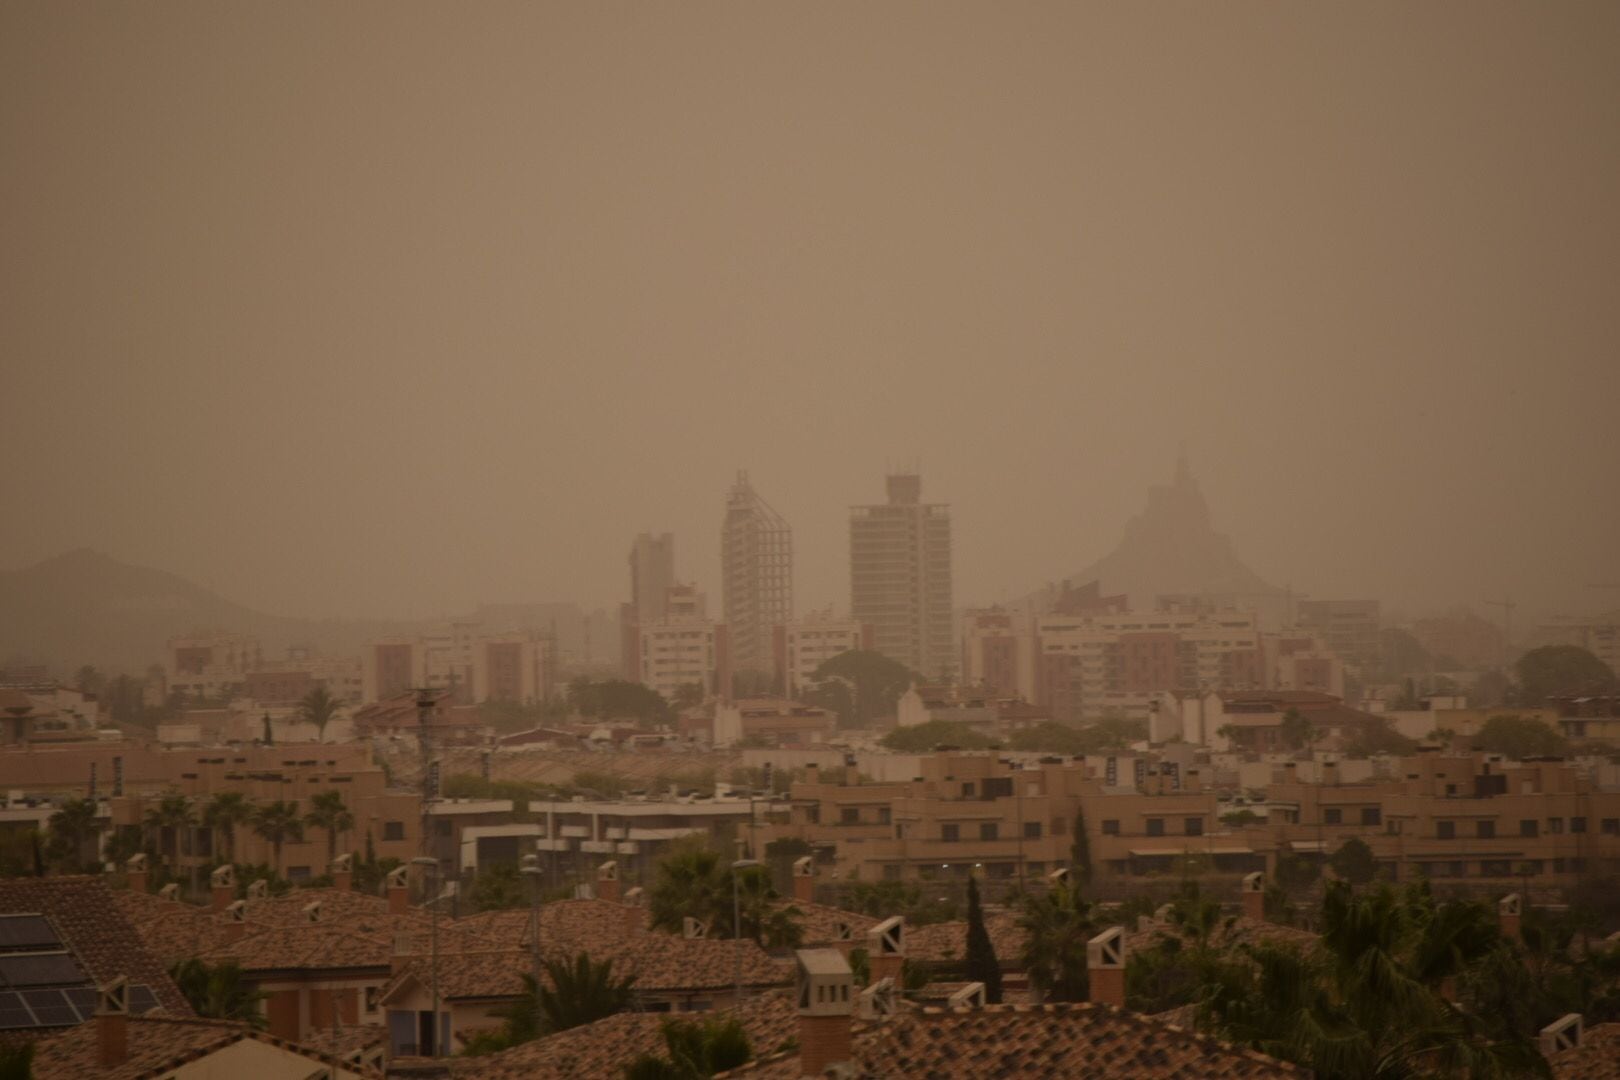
x=756, y=564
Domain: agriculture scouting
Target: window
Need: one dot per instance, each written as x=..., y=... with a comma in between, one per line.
x=442, y=827
x=1611, y=826
x=1110, y=827
x=987, y=830
x=1496, y=868
x=1485, y=830
x=849, y=815
x=1032, y=830
x=1555, y=825
x=883, y=815
x=393, y=830
x=298, y=873
x=967, y=789
x=1193, y=826
x=1332, y=816
x=950, y=832
x=1445, y=830
x=1155, y=826
x=1577, y=824
x=1372, y=815
x=1529, y=828
x=891, y=871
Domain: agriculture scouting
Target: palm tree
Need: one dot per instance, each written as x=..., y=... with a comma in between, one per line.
x=319, y=707
x=691, y=881
x=695, y=1050
x=173, y=813
x=326, y=811
x=223, y=814
x=218, y=991
x=1058, y=923
x=580, y=991
x=71, y=827
x=278, y=822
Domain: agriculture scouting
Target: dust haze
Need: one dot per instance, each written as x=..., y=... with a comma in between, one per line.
x=387, y=310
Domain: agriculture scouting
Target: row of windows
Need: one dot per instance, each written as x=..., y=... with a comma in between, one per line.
x=988, y=830
x=1192, y=826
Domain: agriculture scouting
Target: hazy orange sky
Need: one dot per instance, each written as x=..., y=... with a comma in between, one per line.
x=392, y=308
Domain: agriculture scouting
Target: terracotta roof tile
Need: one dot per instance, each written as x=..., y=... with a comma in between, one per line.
x=93, y=926
x=1597, y=1058
x=947, y=941
x=156, y=1045
x=1046, y=1041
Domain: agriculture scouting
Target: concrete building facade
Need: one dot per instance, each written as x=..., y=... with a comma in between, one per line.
x=900, y=578
x=756, y=570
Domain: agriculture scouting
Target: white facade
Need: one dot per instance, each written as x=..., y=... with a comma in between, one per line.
x=900, y=578
x=803, y=646
x=677, y=652
x=207, y=666
x=513, y=667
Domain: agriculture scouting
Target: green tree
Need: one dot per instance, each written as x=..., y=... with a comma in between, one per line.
x=1520, y=737
x=319, y=707
x=1057, y=925
x=1080, y=852
x=1354, y=861
x=613, y=699
x=694, y=881
x=921, y=738
x=17, y=1061
x=327, y=813
x=74, y=829
x=1294, y=873
x=1555, y=670
x=695, y=1050
x=982, y=965
x=223, y=814
x=688, y=695
x=1296, y=731
x=278, y=822
x=498, y=888
x=165, y=821
x=860, y=685
x=571, y=993
x=218, y=991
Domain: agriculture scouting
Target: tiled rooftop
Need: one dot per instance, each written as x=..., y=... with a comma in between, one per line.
x=947, y=941
x=93, y=926
x=156, y=1045
x=1230, y=931
x=1046, y=1041
x=604, y=1048
x=1597, y=1058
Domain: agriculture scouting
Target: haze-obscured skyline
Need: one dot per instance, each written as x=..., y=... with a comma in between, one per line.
x=395, y=309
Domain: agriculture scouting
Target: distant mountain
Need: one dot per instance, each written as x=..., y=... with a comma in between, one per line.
x=1172, y=548
x=84, y=607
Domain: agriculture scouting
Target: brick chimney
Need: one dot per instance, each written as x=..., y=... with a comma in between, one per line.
x=886, y=950
x=171, y=891
x=1562, y=1034
x=1105, y=960
x=826, y=991
x=1509, y=916
x=343, y=872
x=399, y=890
x=135, y=870
x=607, y=881
x=1254, y=896
x=112, y=1024
x=222, y=887
x=236, y=920
x=634, y=919
x=804, y=880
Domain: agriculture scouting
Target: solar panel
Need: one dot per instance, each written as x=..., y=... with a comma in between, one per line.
x=40, y=969
x=141, y=1000
x=13, y=1013
x=83, y=998
x=27, y=932
x=51, y=1008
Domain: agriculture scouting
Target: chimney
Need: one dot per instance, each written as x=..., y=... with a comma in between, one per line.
x=607, y=881
x=312, y=911
x=632, y=900
x=135, y=871
x=804, y=880
x=826, y=991
x=1562, y=1034
x=171, y=891
x=259, y=889
x=1509, y=915
x=343, y=872
x=222, y=887
x=399, y=890
x=112, y=1024
x=236, y=920
x=886, y=950
x=1105, y=959
x=1254, y=896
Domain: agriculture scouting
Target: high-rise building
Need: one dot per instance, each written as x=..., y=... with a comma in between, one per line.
x=652, y=573
x=756, y=569
x=900, y=577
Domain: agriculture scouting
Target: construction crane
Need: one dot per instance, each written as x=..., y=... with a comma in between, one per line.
x=1507, y=605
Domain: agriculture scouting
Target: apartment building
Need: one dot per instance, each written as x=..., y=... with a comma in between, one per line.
x=1597, y=634
x=1349, y=629
x=800, y=647
x=212, y=665
x=1252, y=721
x=756, y=571
x=900, y=578
x=1106, y=661
x=998, y=653
x=652, y=575
x=519, y=667
x=684, y=649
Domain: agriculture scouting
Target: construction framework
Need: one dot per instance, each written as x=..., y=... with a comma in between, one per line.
x=756, y=565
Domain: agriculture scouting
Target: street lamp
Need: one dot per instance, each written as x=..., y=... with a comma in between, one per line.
x=430, y=866
x=736, y=915
x=531, y=870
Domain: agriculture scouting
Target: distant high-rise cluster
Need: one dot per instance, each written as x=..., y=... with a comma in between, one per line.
x=900, y=577
x=756, y=569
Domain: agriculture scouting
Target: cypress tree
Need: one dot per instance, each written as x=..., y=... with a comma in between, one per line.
x=982, y=965
x=1080, y=852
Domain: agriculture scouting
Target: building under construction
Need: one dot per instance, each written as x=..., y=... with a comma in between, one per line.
x=756, y=566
